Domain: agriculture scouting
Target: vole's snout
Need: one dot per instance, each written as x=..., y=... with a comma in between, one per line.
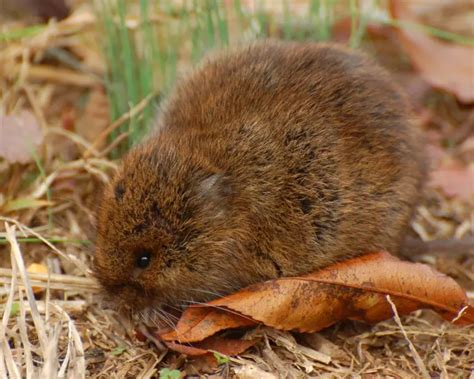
x=127, y=297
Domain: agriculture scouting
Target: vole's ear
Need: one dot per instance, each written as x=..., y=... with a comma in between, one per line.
x=216, y=190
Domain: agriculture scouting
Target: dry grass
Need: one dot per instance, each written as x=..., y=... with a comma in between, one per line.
x=54, y=325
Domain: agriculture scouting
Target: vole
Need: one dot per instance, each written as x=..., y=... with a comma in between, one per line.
x=270, y=160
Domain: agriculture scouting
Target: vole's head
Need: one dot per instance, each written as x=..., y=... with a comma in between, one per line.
x=163, y=228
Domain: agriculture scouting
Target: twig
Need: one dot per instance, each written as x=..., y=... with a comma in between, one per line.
x=60, y=75
x=78, y=353
x=70, y=306
x=56, y=281
x=24, y=338
x=11, y=367
x=416, y=356
x=117, y=123
x=71, y=258
x=413, y=247
x=76, y=138
x=18, y=260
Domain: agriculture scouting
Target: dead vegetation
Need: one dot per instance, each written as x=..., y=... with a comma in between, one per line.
x=54, y=325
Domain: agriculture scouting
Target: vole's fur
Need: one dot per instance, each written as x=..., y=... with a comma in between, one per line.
x=271, y=160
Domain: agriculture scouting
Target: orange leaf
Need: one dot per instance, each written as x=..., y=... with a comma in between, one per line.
x=442, y=64
x=225, y=346
x=37, y=268
x=186, y=349
x=355, y=289
x=203, y=352
x=201, y=322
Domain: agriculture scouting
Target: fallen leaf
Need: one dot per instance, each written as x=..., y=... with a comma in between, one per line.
x=212, y=351
x=37, y=268
x=355, y=289
x=20, y=135
x=202, y=322
x=186, y=349
x=226, y=346
x=434, y=58
x=454, y=179
x=454, y=16
x=221, y=345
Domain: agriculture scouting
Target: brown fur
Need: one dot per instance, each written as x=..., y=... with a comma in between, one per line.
x=271, y=160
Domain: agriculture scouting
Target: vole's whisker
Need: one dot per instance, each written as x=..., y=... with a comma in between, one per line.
x=175, y=308
x=170, y=315
x=140, y=317
x=207, y=292
x=164, y=316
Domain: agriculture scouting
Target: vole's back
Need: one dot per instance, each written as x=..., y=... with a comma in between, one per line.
x=323, y=161
x=272, y=160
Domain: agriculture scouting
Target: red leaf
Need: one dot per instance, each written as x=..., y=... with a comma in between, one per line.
x=442, y=64
x=455, y=179
x=354, y=289
x=201, y=322
x=224, y=346
x=20, y=135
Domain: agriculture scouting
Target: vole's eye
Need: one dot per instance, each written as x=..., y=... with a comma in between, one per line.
x=143, y=259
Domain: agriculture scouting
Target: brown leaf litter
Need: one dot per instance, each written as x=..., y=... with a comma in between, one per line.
x=444, y=65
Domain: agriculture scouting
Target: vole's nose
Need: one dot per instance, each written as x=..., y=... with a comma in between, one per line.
x=131, y=296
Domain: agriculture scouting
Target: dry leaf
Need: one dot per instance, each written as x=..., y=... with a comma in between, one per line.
x=37, y=268
x=455, y=179
x=454, y=16
x=201, y=322
x=442, y=64
x=20, y=135
x=355, y=289
x=206, y=349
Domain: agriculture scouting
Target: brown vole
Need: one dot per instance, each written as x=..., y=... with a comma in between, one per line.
x=271, y=160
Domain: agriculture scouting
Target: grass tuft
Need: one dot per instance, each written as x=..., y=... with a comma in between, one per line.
x=145, y=43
